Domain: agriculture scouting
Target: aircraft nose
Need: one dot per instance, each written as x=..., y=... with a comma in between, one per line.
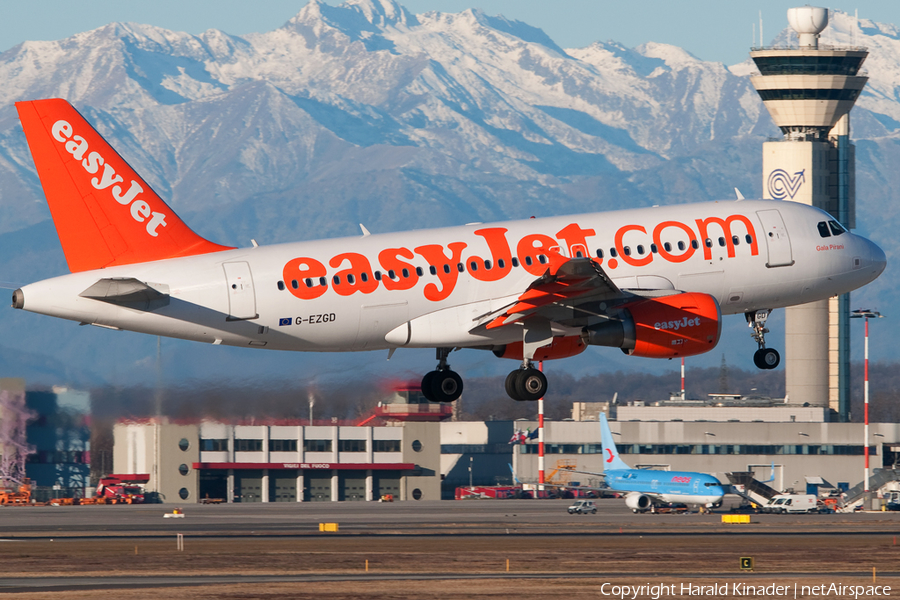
x=877, y=258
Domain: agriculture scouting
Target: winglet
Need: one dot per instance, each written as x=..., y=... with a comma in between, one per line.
x=738, y=193
x=611, y=459
x=104, y=212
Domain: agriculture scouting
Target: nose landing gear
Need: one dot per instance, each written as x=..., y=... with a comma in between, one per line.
x=764, y=358
x=442, y=384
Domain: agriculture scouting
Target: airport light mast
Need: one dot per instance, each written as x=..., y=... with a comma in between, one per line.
x=866, y=314
x=809, y=91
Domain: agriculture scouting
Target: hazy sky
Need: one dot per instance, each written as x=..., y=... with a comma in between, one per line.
x=717, y=30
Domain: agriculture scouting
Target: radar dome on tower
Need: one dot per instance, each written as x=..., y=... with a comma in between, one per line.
x=808, y=22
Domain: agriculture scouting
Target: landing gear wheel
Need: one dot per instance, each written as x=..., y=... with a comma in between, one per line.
x=530, y=384
x=766, y=358
x=511, y=386
x=426, y=386
x=446, y=386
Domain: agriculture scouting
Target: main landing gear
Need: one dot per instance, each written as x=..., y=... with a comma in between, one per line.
x=442, y=384
x=764, y=358
x=526, y=383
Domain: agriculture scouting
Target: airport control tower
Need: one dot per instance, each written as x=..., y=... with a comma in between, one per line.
x=809, y=91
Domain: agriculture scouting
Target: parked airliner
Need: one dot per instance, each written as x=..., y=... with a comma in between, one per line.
x=653, y=282
x=644, y=488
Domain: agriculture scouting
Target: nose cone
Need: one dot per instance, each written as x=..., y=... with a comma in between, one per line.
x=877, y=259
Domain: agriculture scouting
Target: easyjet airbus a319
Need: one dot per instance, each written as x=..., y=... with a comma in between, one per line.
x=653, y=282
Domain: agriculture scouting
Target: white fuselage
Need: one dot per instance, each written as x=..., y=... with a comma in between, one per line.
x=747, y=254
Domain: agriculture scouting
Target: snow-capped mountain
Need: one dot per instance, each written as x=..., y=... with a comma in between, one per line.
x=366, y=113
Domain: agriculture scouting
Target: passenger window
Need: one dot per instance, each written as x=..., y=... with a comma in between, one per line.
x=722, y=242
x=681, y=245
x=295, y=284
x=695, y=244
x=308, y=283
x=613, y=253
x=391, y=274
x=626, y=251
x=640, y=249
x=377, y=275
x=749, y=238
x=281, y=285
x=735, y=240
x=446, y=268
x=432, y=270
x=405, y=273
x=473, y=265
x=487, y=265
x=419, y=271
x=653, y=248
x=501, y=263
x=668, y=247
x=364, y=276
x=529, y=261
x=599, y=253
x=708, y=242
x=823, y=229
x=322, y=281
x=542, y=259
x=336, y=280
x=515, y=262
x=350, y=279
x=460, y=267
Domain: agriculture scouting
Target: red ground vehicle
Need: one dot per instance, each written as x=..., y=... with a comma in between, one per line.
x=124, y=489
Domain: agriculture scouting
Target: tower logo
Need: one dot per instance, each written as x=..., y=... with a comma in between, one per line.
x=781, y=185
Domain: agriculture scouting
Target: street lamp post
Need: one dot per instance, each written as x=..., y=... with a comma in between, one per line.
x=866, y=314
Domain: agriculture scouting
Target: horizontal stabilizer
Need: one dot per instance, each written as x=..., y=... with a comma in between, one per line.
x=127, y=291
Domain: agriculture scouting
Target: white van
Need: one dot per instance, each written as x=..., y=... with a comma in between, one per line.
x=792, y=503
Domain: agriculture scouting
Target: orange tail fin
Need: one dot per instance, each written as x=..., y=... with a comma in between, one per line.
x=104, y=213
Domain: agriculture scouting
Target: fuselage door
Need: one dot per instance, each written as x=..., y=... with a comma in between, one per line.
x=777, y=241
x=241, y=297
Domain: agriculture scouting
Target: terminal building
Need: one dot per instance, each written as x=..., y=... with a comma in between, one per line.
x=280, y=463
x=277, y=462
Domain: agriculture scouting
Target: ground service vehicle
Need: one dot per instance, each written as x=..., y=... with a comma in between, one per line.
x=122, y=489
x=583, y=507
x=792, y=503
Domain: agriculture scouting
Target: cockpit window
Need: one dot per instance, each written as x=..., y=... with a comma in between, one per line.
x=823, y=229
x=836, y=228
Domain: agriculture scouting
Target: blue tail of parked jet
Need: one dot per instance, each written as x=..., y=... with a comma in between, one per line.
x=610, y=452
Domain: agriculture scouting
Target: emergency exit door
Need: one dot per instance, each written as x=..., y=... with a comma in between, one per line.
x=241, y=296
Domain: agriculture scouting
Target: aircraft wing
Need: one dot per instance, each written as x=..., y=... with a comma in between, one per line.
x=595, y=474
x=569, y=291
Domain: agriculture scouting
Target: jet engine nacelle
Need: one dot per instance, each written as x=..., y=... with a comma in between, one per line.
x=560, y=347
x=638, y=502
x=678, y=325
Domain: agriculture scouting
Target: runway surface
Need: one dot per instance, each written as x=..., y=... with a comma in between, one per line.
x=474, y=517
x=277, y=551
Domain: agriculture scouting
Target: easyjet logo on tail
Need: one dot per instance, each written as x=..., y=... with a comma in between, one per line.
x=108, y=179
